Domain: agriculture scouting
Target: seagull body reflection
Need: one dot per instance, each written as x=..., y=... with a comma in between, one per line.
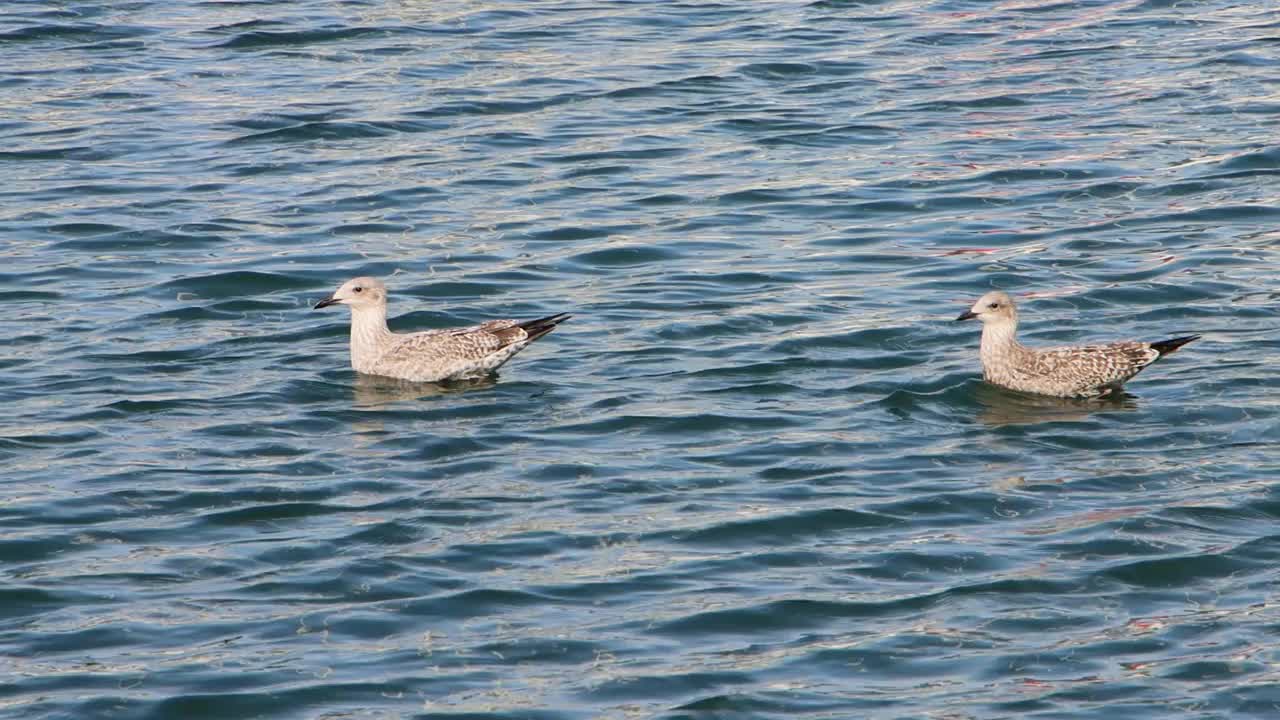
x=376, y=391
x=1010, y=407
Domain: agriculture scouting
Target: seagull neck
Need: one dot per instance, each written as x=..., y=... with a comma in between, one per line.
x=998, y=340
x=368, y=330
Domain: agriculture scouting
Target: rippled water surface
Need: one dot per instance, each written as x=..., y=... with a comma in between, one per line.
x=756, y=475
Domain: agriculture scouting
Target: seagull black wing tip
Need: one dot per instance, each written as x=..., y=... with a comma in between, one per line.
x=1166, y=347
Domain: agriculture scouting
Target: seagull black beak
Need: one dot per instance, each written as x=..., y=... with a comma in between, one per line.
x=966, y=315
x=326, y=302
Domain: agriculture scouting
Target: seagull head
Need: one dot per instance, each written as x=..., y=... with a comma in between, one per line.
x=995, y=307
x=360, y=293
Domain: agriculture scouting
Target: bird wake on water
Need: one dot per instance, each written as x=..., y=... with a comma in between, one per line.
x=1079, y=371
x=432, y=355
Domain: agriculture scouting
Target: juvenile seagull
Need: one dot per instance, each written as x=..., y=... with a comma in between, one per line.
x=433, y=355
x=1077, y=371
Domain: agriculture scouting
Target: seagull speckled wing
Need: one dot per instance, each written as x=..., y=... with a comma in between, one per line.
x=1082, y=370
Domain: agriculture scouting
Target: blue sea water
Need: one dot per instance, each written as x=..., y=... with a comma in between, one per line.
x=756, y=475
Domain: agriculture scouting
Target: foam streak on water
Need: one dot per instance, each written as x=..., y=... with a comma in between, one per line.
x=755, y=476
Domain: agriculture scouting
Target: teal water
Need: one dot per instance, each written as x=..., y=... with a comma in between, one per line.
x=756, y=475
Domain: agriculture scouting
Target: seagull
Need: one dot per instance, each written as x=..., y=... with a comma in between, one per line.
x=433, y=355
x=1082, y=371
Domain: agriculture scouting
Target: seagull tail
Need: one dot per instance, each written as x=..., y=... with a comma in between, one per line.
x=1165, y=347
x=542, y=326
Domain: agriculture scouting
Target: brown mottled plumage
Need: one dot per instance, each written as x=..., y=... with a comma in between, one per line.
x=433, y=355
x=1078, y=371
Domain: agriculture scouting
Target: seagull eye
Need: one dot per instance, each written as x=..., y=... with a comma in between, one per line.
x=993, y=306
x=358, y=289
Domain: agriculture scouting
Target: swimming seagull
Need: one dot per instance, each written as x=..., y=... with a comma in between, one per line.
x=1077, y=371
x=433, y=355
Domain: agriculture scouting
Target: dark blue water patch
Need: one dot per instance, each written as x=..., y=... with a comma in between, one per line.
x=98, y=638
x=525, y=275
x=938, y=401
x=76, y=153
x=1178, y=220
x=1143, y=296
x=513, y=139
x=782, y=616
x=362, y=626
x=80, y=32
x=388, y=534
x=878, y=340
x=1248, y=107
x=136, y=240
x=672, y=685
x=24, y=600
x=1177, y=572
x=1242, y=58
x=54, y=132
x=1097, y=191
x=838, y=136
x=792, y=472
x=625, y=256
x=28, y=295
x=545, y=650
x=787, y=703
x=229, y=310
x=922, y=567
x=778, y=70
x=359, y=229
x=256, y=24
x=908, y=656
x=1268, y=159
x=677, y=425
x=756, y=196
x=470, y=604
x=571, y=233
x=51, y=438
x=270, y=513
x=280, y=700
x=437, y=449
x=1154, y=271
x=1252, y=700
x=21, y=552
x=282, y=120
x=694, y=85
x=505, y=107
x=120, y=47
x=715, y=222
x=954, y=509
x=1215, y=670
x=362, y=581
x=844, y=4
x=265, y=39
x=1223, y=177
x=951, y=39
x=1247, y=521
x=455, y=291
x=699, y=329
x=603, y=170
x=329, y=130
x=773, y=531
x=766, y=124
x=492, y=182
x=236, y=284
x=656, y=153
